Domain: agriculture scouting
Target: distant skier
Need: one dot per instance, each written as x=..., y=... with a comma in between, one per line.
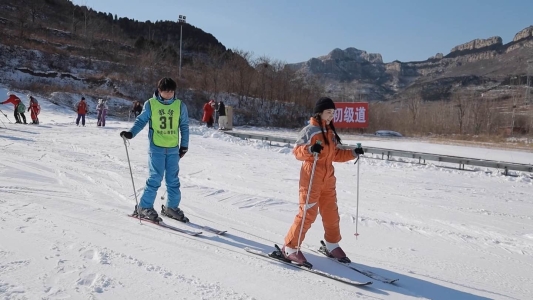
x=209, y=109
x=221, y=116
x=19, y=109
x=168, y=120
x=101, y=107
x=137, y=109
x=320, y=138
x=34, y=109
x=81, y=108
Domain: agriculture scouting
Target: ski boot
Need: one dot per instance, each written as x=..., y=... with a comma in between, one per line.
x=174, y=213
x=333, y=250
x=147, y=213
x=291, y=255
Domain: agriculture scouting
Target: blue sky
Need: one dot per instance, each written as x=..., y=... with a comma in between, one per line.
x=296, y=30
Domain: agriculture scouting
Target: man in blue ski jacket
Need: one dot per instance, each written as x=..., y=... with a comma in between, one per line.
x=168, y=135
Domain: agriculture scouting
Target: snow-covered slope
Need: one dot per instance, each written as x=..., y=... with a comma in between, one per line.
x=64, y=234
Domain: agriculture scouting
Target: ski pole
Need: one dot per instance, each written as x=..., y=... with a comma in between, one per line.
x=357, y=206
x=132, y=182
x=5, y=116
x=308, y=196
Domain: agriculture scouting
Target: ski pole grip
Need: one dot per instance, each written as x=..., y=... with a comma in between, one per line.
x=358, y=147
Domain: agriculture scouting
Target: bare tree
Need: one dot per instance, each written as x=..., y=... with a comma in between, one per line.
x=477, y=111
x=489, y=112
x=414, y=103
x=264, y=68
x=283, y=76
x=75, y=21
x=203, y=76
x=85, y=20
x=22, y=17
x=461, y=105
x=216, y=63
x=34, y=7
x=229, y=76
x=244, y=74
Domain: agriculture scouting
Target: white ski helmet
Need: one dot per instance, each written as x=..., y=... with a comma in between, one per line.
x=10, y=93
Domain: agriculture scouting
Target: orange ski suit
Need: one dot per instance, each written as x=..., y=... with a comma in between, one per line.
x=323, y=190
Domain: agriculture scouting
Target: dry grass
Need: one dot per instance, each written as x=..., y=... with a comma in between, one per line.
x=494, y=142
x=34, y=86
x=469, y=117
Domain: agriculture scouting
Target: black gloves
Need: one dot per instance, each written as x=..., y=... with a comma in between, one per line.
x=359, y=151
x=316, y=148
x=183, y=150
x=126, y=134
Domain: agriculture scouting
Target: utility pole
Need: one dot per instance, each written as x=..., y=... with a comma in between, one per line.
x=182, y=19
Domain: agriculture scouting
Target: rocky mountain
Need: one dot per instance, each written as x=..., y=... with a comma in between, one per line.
x=486, y=65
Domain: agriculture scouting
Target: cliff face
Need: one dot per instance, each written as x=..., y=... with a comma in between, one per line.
x=523, y=34
x=354, y=74
x=345, y=65
x=495, y=41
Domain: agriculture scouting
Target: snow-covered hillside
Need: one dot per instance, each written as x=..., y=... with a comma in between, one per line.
x=65, y=193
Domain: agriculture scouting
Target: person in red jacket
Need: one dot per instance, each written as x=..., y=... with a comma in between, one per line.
x=13, y=99
x=34, y=108
x=82, y=110
x=209, y=109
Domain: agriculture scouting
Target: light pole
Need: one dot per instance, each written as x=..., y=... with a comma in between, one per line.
x=182, y=19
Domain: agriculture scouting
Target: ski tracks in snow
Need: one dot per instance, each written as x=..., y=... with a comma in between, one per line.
x=79, y=269
x=102, y=271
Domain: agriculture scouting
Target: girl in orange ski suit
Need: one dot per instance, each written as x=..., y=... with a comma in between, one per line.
x=323, y=193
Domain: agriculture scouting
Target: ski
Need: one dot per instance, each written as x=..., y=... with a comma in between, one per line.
x=276, y=258
x=198, y=226
x=367, y=273
x=167, y=226
x=207, y=228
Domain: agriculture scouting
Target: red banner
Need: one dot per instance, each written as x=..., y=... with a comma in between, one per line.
x=351, y=115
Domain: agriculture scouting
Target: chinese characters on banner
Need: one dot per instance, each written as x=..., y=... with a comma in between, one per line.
x=351, y=115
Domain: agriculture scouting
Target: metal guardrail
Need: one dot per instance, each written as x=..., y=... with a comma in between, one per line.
x=420, y=156
x=262, y=137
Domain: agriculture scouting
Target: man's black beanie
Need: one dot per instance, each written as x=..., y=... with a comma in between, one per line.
x=322, y=104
